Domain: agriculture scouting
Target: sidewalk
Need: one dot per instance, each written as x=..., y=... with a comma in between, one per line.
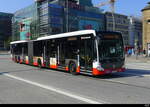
x=140, y=59
x=4, y=52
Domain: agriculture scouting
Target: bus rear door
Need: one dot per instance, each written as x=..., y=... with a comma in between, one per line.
x=30, y=52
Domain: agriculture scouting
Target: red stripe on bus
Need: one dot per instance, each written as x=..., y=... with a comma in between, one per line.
x=21, y=61
x=27, y=62
x=67, y=69
x=53, y=66
x=78, y=69
x=107, y=71
x=35, y=63
x=97, y=72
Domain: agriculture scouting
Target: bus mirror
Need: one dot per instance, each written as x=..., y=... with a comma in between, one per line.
x=77, y=52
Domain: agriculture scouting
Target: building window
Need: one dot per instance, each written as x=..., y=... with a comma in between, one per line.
x=148, y=21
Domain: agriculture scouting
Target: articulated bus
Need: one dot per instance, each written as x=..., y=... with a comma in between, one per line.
x=85, y=51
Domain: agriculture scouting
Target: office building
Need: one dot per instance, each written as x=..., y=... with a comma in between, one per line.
x=5, y=30
x=135, y=32
x=121, y=24
x=57, y=16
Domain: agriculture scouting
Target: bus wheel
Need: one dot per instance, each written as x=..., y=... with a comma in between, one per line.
x=39, y=63
x=72, y=68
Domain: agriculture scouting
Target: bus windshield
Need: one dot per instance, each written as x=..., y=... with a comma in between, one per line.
x=110, y=46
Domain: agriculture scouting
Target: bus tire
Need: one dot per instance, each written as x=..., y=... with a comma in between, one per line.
x=72, y=68
x=39, y=63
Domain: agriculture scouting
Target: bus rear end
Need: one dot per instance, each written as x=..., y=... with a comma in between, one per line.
x=111, y=53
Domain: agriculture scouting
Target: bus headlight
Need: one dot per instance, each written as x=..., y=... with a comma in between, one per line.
x=100, y=68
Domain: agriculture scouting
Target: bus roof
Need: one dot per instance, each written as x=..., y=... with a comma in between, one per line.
x=69, y=34
x=15, y=42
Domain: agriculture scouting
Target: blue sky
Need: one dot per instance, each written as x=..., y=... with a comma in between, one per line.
x=12, y=6
x=127, y=7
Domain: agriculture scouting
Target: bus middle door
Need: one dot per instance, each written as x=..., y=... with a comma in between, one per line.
x=86, y=53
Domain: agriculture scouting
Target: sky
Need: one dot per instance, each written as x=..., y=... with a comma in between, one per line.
x=126, y=7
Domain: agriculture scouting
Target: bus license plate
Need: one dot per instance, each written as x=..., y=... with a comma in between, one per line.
x=114, y=71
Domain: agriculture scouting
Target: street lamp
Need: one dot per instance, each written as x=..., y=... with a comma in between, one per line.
x=67, y=15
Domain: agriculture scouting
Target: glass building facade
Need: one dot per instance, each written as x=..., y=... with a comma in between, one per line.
x=66, y=16
x=22, y=22
x=59, y=16
x=5, y=30
x=50, y=18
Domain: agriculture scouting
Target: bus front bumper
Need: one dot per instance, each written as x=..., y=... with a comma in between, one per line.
x=107, y=71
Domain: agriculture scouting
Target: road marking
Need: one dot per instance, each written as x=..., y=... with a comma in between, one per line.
x=138, y=64
x=138, y=67
x=116, y=81
x=87, y=100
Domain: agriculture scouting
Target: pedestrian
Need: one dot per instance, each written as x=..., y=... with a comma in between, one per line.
x=144, y=52
x=133, y=51
x=129, y=52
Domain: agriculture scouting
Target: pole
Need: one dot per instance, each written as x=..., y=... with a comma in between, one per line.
x=113, y=16
x=67, y=17
x=13, y=28
x=113, y=12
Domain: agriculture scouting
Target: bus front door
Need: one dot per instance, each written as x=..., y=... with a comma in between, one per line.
x=86, y=55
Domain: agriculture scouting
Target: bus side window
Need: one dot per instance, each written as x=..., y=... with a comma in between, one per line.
x=38, y=48
x=53, y=48
x=72, y=48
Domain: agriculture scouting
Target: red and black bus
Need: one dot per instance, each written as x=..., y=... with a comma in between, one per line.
x=86, y=51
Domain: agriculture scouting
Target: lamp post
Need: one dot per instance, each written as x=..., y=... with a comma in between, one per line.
x=67, y=16
x=112, y=3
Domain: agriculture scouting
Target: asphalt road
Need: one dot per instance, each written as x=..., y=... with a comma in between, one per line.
x=23, y=84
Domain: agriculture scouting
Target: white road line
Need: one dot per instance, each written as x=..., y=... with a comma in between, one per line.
x=138, y=67
x=87, y=100
x=116, y=81
x=138, y=64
